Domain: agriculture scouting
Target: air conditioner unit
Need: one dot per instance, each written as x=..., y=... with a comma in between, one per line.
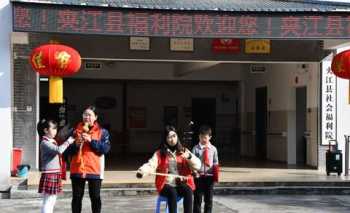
x=93, y=65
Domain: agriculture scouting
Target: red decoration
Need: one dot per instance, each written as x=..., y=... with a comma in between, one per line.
x=55, y=60
x=341, y=64
x=206, y=156
x=216, y=173
x=226, y=45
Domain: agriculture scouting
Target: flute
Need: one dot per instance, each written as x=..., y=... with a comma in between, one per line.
x=164, y=174
x=86, y=129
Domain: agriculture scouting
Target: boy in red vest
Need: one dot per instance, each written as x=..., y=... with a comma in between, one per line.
x=208, y=173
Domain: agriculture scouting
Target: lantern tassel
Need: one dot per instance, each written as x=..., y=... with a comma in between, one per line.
x=55, y=90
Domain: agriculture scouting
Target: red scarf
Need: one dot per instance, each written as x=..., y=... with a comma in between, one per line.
x=206, y=156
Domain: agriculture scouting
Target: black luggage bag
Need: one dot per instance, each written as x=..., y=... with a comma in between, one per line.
x=334, y=159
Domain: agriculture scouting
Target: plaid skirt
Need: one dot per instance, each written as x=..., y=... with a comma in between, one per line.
x=50, y=183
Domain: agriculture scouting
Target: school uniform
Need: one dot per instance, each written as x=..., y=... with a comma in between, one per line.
x=51, y=175
x=206, y=177
x=51, y=163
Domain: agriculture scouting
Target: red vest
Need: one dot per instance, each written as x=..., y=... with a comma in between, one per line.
x=86, y=161
x=163, y=167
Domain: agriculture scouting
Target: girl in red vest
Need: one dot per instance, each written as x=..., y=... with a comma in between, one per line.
x=177, y=163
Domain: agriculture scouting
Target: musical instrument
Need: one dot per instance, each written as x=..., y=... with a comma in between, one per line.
x=86, y=129
x=164, y=174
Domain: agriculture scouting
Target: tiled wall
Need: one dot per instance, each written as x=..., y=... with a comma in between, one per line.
x=25, y=102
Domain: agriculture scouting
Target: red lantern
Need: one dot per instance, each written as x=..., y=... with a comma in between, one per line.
x=56, y=61
x=341, y=65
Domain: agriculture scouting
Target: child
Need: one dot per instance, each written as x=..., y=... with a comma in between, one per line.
x=208, y=173
x=51, y=181
x=173, y=164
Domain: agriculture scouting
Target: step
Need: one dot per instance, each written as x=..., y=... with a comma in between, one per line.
x=105, y=192
x=340, y=183
x=218, y=190
x=5, y=193
x=106, y=185
x=19, y=183
x=284, y=190
x=15, y=184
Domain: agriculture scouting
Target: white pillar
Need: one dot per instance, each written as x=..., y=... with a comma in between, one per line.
x=5, y=93
x=343, y=110
x=343, y=114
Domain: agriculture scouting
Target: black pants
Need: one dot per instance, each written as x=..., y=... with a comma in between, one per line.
x=78, y=186
x=204, y=186
x=182, y=190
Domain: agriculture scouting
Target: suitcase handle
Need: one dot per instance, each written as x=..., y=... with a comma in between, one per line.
x=329, y=144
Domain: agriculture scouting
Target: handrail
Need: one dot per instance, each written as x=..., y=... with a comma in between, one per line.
x=347, y=141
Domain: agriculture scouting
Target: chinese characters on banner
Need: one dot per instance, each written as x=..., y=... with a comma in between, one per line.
x=329, y=101
x=43, y=18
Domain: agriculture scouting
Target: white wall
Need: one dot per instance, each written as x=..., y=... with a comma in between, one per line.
x=281, y=85
x=343, y=105
x=6, y=93
x=310, y=76
x=276, y=79
x=343, y=110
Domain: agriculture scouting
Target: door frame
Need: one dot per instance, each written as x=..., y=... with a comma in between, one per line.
x=261, y=123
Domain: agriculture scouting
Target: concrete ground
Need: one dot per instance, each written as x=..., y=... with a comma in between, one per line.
x=286, y=203
x=222, y=204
